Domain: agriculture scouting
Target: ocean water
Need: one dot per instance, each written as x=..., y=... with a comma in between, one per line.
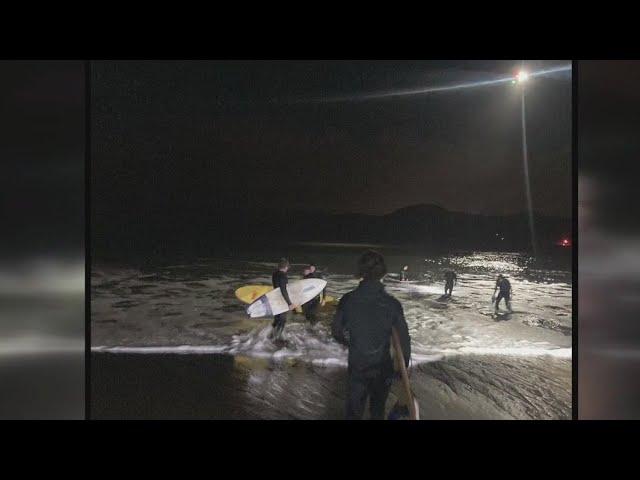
x=190, y=309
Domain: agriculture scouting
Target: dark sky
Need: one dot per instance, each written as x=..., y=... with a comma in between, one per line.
x=42, y=137
x=609, y=144
x=193, y=135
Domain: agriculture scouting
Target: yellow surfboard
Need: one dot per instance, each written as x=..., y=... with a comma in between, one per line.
x=328, y=300
x=250, y=293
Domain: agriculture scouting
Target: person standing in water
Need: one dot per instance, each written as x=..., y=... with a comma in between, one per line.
x=279, y=280
x=504, y=286
x=404, y=273
x=311, y=307
x=363, y=322
x=450, y=279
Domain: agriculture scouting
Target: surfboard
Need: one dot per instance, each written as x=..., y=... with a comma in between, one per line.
x=273, y=303
x=250, y=293
x=327, y=301
x=406, y=399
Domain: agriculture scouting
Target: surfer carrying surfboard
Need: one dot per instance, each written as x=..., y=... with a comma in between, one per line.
x=279, y=280
x=310, y=308
x=364, y=321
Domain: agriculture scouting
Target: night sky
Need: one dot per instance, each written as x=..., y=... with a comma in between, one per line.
x=609, y=144
x=269, y=134
x=42, y=147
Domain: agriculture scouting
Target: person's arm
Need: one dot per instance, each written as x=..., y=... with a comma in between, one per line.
x=338, y=327
x=400, y=324
x=282, y=284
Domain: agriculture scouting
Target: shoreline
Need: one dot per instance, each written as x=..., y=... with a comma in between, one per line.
x=223, y=386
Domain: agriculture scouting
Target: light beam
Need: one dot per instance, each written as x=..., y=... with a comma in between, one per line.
x=437, y=89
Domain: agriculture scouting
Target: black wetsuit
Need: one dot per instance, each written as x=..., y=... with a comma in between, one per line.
x=449, y=278
x=311, y=307
x=279, y=280
x=403, y=276
x=505, y=292
x=363, y=321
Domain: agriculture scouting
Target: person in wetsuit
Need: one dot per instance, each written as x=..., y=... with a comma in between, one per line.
x=279, y=280
x=310, y=308
x=363, y=322
x=404, y=273
x=504, y=286
x=450, y=278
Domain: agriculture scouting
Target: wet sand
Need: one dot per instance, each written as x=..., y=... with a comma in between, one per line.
x=192, y=386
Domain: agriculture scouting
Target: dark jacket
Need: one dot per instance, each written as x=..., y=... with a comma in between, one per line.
x=363, y=321
x=279, y=280
x=504, y=286
x=450, y=277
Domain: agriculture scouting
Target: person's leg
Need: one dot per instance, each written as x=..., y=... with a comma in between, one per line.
x=311, y=310
x=278, y=324
x=498, y=301
x=507, y=300
x=356, y=397
x=379, y=391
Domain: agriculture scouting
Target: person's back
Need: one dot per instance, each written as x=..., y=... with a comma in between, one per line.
x=368, y=314
x=504, y=285
x=364, y=321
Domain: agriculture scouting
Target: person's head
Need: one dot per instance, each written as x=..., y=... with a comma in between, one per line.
x=283, y=264
x=500, y=276
x=371, y=266
x=311, y=268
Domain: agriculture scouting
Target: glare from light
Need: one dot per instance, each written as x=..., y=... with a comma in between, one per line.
x=523, y=76
x=437, y=89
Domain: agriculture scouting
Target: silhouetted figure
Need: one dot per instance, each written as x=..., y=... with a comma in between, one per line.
x=504, y=287
x=404, y=273
x=363, y=321
x=450, y=279
x=279, y=280
x=310, y=308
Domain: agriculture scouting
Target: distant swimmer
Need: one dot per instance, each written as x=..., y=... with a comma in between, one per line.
x=504, y=286
x=404, y=273
x=311, y=307
x=450, y=279
x=364, y=322
x=279, y=280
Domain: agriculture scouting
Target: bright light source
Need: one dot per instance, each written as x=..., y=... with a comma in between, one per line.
x=523, y=76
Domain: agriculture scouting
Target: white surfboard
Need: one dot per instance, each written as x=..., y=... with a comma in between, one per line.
x=273, y=303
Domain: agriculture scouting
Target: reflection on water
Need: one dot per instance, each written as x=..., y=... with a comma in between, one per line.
x=42, y=339
x=191, y=308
